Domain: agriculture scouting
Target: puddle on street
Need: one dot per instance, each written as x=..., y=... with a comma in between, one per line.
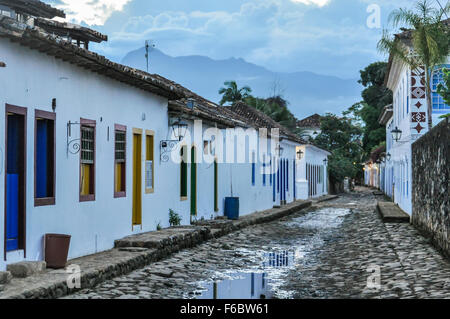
x=265, y=280
x=238, y=286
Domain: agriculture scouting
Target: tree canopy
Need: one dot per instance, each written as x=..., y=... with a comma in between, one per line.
x=276, y=108
x=231, y=93
x=375, y=97
x=341, y=137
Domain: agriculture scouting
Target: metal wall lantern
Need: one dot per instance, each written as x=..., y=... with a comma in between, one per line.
x=325, y=162
x=396, y=134
x=279, y=150
x=179, y=129
x=299, y=155
x=388, y=156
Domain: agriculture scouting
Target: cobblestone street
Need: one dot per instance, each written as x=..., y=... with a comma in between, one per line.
x=322, y=252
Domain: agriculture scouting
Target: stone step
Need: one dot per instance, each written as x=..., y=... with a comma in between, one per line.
x=5, y=277
x=26, y=268
x=391, y=213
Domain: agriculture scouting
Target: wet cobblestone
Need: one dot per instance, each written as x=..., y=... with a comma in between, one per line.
x=331, y=247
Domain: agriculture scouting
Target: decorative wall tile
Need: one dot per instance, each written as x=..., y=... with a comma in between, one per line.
x=418, y=117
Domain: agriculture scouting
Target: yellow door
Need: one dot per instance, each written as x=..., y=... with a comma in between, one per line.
x=137, y=179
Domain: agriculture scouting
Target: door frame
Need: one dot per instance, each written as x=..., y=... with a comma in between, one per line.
x=19, y=111
x=216, y=185
x=194, y=181
x=137, y=179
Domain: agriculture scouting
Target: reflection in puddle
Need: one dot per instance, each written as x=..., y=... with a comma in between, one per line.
x=238, y=286
x=283, y=259
x=320, y=220
x=266, y=280
x=251, y=285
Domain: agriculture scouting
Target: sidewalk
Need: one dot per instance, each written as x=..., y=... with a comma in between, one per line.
x=134, y=252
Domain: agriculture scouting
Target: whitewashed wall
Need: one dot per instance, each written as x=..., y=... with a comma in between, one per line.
x=401, y=151
x=32, y=79
x=312, y=156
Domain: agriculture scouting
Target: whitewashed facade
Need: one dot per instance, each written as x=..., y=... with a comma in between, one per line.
x=312, y=172
x=409, y=114
x=36, y=87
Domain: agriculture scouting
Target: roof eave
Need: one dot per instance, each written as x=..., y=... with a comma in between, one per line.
x=66, y=51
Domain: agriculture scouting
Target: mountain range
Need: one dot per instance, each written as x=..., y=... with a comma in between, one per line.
x=307, y=92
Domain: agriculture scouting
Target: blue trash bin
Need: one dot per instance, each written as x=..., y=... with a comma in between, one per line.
x=232, y=207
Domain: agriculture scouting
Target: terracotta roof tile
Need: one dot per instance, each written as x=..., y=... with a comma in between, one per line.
x=69, y=29
x=38, y=39
x=34, y=7
x=312, y=121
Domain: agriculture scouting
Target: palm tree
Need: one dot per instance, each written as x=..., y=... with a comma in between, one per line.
x=430, y=41
x=231, y=93
x=444, y=88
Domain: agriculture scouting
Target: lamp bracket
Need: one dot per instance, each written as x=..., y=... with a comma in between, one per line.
x=166, y=147
x=72, y=145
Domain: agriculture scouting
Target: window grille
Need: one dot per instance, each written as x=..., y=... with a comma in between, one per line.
x=120, y=147
x=87, y=145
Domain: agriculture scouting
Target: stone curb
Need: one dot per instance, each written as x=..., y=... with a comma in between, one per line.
x=327, y=198
x=391, y=213
x=131, y=254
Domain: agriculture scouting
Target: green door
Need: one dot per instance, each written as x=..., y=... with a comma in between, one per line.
x=216, y=186
x=193, y=182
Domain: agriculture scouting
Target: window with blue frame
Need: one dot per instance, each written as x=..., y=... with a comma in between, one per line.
x=264, y=169
x=253, y=169
x=44, y=158
x=271, y=170
x=437, y=100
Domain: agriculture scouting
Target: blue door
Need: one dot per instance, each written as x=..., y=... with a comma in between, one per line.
x=273, y=181
x=12, y=212
x=42, y=159
x=15, y=165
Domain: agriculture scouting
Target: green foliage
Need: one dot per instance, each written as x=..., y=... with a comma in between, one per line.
x=375, y=97
x=174, y=218
x=444, y=88
x=159, y=227
x=341, y=137
x=231, y=93
x=430, y=40
x=276, y=108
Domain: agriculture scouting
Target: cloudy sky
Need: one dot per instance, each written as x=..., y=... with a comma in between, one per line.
x=324, y=36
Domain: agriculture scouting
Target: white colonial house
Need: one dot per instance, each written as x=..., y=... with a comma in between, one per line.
x=310, y=126
x=372, y=173
x=98, y=150
x=406, y=121
x=312, y=171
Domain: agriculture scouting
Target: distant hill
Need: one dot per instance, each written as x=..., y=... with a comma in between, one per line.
x=307, y=92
